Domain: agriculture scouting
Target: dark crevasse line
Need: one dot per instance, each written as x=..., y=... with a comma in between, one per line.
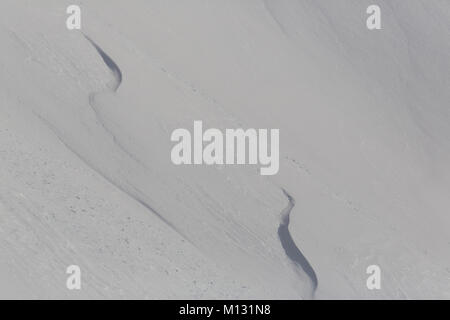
x=289, y=246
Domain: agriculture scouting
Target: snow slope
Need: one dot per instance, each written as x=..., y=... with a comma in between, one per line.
x=86, y=175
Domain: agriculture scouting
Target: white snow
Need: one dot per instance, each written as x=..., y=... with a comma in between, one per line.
x=86, y=176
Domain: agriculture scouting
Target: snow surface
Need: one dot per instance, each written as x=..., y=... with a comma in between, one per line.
x=86, y=176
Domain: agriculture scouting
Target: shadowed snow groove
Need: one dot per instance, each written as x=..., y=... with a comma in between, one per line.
x=134, y=193
x=110, y=63
x=289, y=246
x=114, y=85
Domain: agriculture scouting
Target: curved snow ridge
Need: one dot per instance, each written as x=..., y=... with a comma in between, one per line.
x=130, y=190
x=117, y=73
x=110, y=63
x=289, y=246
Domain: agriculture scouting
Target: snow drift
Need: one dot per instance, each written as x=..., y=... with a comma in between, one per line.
x=86, y=176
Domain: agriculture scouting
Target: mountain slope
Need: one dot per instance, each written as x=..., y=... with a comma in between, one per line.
x=87, y=177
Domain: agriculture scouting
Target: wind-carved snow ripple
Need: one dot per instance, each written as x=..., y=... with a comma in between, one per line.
x=289, y=246
x=113, y=86
x=111, y=65
x=132, y=191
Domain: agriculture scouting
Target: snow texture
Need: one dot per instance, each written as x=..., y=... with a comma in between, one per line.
x=86, y=176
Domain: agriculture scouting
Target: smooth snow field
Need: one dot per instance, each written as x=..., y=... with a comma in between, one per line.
x=87, y=179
